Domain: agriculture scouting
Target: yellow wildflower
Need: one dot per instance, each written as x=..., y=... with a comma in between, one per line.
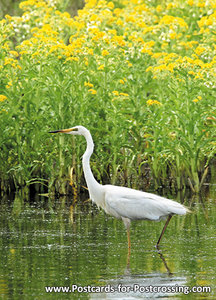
x=90, y=51
x=119, y=22
x=191, y=73
x=159, y=8
x=35, y=54
x=10, y=61
x=93, y=18
x=129, y=64
x=23, y=52
x=8, y=17
x=119, y=40
x=201, y=4
x=168, y=20
x=92, y=91
x=14, y=53
x=116, y=93
x=170, y=6
x=101, y=67
x=199, y=50
x=173, y=35
x=72, y=59
x=9, y=84
x=2, y=98
x=88, y=84
x=112, y=31
x=149, y=69
x=153, y=102
x=190, y=2
x=105, y=53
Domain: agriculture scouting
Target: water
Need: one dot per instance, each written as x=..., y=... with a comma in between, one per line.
x=49, y=245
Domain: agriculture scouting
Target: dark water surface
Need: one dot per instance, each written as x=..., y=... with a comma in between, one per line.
x=45, y=245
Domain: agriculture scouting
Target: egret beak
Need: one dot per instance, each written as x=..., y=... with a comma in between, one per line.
x=64, y=130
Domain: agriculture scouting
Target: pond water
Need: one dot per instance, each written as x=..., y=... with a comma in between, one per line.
x=45, y=245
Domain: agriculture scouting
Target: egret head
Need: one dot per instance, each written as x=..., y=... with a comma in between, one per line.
x=77, y=130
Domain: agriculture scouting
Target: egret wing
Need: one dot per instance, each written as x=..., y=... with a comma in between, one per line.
x=137, y=205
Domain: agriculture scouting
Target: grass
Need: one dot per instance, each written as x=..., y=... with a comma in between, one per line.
x=139, y=76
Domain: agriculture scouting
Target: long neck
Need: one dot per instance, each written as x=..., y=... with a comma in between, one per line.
x=89, y=177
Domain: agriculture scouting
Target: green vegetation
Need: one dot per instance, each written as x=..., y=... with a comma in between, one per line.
x=139, y=76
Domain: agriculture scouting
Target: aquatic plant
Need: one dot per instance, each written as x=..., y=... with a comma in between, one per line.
x=140, y=76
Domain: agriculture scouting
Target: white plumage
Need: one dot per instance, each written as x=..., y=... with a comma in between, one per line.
x=122, y=202
x=137, y=205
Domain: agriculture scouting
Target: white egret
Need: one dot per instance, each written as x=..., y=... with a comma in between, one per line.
x=122, y=202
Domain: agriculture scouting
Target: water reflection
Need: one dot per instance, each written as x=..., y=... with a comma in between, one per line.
x=49, y=244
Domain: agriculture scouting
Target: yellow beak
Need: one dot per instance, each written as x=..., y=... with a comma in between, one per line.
x=63, y=130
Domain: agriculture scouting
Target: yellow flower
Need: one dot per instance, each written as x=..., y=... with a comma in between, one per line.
x=123, y=94
x=93, y=18
x=116, y=93
x=72, y=58
x=121, y=81
x=170, y=5
x=9, y=84
x=199, y=50
x=92, y=91
x=197, y=99
x=101, y=67
x=119, y=22
x=129, y=64
x=201, y=4
x=90, y=51
x=168, y=20
x=23, y=52
x=149, y=69
x=153, y=102
x=35, y=54
x=191, y=73
x=110, y=5
x=88, y=84
x=159, y=8
x=2, y=98
x=173, y=35
x=14, y=53
x=105, y=53
x=10, y=61
x=112, y=31
x=8, y=17
x=190, y=2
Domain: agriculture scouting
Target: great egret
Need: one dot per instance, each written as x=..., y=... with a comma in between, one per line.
x=122, y=202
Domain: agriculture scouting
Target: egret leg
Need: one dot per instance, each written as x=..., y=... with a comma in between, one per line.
x=129, y=247
x=129, y=241
x=165, y=226
x=127, y=225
